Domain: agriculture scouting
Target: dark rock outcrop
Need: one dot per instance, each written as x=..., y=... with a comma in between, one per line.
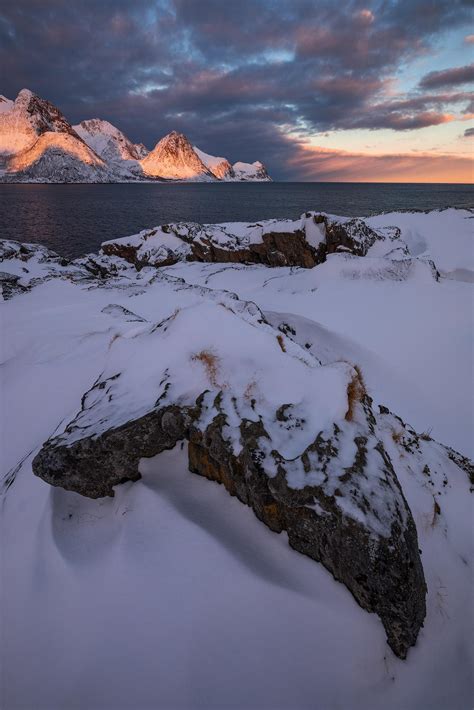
x=384, y=574
x=91, y=466
x=276, y=249
x=373, y=551
x=216, y=243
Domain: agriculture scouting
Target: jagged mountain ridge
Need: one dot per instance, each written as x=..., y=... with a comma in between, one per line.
x=220, y=167
x=97, y=151
x=108, y=141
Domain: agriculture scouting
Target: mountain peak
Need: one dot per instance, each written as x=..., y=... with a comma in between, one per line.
x=108, y=141
x=251, y=171
x=174, y=158
x=24, y=96
x=22, y=121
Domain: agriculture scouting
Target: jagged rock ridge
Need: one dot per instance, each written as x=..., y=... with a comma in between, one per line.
x=305, y=242
x=108, y=142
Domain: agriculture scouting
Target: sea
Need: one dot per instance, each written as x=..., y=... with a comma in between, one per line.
x=75, y=219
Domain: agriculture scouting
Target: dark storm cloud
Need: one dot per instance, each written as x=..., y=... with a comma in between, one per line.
x=448, y=77
x=236, y=77
x=469, y=133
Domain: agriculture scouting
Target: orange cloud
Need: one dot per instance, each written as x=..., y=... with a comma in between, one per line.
x=325, y=165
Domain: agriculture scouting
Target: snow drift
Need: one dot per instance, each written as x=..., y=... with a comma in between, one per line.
x=252, y=369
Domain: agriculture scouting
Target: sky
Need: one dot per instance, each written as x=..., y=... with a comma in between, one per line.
x=316, y=89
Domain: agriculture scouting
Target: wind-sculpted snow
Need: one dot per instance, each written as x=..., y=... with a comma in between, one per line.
x=271, y=378
x=293, y=439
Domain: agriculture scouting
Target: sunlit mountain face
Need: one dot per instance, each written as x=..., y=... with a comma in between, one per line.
x=37, y=144
x=316, y=90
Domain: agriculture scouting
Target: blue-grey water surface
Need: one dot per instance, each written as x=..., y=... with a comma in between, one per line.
x=75, y=219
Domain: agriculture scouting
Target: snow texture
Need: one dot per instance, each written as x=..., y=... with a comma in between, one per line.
x=172, y=594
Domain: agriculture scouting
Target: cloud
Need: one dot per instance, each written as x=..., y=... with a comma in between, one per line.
x=339, y=166
x=237, y=77
x=365, y=17
x=448, y=77
x=469, y=133
x=469, y=39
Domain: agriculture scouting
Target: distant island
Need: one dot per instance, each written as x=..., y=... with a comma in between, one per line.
x=38, y=144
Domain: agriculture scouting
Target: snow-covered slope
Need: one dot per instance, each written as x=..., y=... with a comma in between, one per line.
x=58, y=157
x=251, y=171
x=5, y=104
x=173, y=158
x=108, y=142
x=177, y=588
x=27, y=118
x=220, y=167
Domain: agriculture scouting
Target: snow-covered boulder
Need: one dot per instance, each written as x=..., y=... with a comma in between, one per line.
x=296, y=441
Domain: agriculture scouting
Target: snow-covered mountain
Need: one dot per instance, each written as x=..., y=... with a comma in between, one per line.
x=38, y=144
x=251, y=171
x=22, y=122
x=220, y=167
x=97, y=151
x=108, y=141
x=174, y=158
x=58, y=157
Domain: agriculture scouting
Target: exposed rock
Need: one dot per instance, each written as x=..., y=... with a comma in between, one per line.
x=384, y=574
x=57, y=158
x=92, y=466
x=9, y=285
x=314, y=465
x=305, y=242
x=354, y=235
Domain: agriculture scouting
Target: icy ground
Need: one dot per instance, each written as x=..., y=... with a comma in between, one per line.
x=172, y=594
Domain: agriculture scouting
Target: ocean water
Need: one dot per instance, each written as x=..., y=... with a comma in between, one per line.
x=76, y=219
